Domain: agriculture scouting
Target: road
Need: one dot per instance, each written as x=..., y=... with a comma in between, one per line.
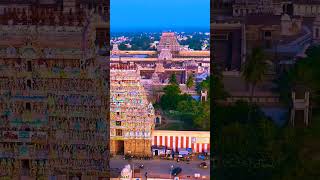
x=161, y=168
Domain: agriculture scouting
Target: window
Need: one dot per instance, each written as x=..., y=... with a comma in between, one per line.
x=267, y=34
x=29, y=66
x=28, y=106
x=118, y=132
x=118, y=123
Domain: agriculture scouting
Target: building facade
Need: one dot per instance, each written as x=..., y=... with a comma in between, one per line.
x=53, y=95
x=198, y=141
x=132, y=116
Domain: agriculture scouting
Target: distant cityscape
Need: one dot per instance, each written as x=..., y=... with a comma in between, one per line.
x=149, y=40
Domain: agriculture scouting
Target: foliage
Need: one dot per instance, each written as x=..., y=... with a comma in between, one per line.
x=258, y=149
x=122, y=46
x=173, y=80
x=190, y=81
x=197, y=114
x=171, y=97
x=202, y=117
x=141, y=42
x=255, y=68
x=284, y=87
x=194, y=43
x=303, y=74
x=252, y=149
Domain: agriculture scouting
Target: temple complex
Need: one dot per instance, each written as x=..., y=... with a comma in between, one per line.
x=156, y=67
x=53, y=94
x=132, y=116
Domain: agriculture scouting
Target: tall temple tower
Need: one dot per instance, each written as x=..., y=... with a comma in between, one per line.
x=132, y=116
x=53, y=98
x=168, y=41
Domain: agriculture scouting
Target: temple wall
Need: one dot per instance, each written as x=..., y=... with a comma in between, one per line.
x=138, y=147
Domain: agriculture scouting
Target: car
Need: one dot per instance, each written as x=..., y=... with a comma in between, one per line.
x=176, y=171
x=203, y=165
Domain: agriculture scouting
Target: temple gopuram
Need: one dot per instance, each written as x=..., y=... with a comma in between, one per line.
x=132, y=116
x=53, y=94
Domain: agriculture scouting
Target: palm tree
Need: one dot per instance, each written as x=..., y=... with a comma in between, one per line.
x=190, y=82
x=173, y=79
x=254, y=70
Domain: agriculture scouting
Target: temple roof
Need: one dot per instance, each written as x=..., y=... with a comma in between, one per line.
x=194, y=53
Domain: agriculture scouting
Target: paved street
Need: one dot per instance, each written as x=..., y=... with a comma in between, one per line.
x=161, y=168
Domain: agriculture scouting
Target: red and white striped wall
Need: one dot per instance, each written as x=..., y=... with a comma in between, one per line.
x=199, y=141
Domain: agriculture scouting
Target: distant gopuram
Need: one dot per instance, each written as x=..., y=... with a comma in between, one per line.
x=168, y=41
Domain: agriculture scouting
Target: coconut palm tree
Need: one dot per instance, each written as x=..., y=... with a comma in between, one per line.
x=254, y=70
x=190, y=82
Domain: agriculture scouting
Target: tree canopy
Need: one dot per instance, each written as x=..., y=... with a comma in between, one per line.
x=304, y=73
x=190, y=81
x=198, y=113
x=256, y=148
x=173, y=79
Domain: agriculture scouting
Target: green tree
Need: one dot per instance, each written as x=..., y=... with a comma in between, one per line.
x=190, y=81
x=254, y=70
x=303, y=74
x=122, y=46
x=189, y=106
x=173, y=79
x=171, y=97
x=202, y=116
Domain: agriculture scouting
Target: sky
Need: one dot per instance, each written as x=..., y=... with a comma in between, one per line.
x=135, y=15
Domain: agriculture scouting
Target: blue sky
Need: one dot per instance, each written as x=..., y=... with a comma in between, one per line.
x=128, y=15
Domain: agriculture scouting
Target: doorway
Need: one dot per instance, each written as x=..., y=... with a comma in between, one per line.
x=25, y=167
x=119, y=147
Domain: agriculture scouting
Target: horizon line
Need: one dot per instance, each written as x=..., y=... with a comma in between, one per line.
x=142, y=29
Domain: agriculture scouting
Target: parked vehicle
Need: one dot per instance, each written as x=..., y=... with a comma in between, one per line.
x=203, y=165
x=176, y=171
x=202, y=157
